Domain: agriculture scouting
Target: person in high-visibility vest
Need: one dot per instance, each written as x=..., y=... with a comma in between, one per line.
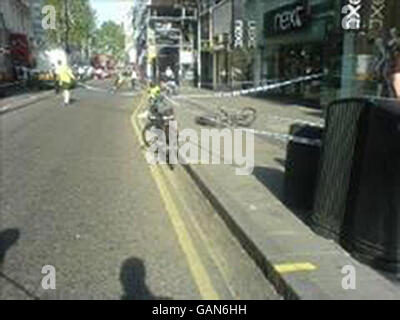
x=154, y=91
x=65, y=79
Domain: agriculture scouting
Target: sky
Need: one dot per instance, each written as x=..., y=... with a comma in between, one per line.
x=111, y=9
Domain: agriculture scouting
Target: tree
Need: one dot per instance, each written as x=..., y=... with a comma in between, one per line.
x=75, y=23
x=110, y=39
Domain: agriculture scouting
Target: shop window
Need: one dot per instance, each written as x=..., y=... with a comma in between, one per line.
x=301, y=60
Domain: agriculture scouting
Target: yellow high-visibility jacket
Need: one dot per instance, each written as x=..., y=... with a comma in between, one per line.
x=154, y=92
x=65, y=74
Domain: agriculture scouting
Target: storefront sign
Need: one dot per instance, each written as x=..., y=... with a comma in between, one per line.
x=238, y=34
x=287, y=18
x=245, y=34
x=376, y=18
x=251, y=34
x=239, y=25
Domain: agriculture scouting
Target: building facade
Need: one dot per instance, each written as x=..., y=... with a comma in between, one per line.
x=292, y=39
x=140, y=23
x=246, y=43
x=15, y=36
x=253, y=42
x=228, y=41
x=171, y=39
x=369, y=52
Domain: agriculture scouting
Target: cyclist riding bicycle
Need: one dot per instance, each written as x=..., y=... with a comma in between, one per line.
x=119, y=81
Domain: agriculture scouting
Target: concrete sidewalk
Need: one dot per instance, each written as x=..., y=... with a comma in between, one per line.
x=22, y=100
x=299, y=263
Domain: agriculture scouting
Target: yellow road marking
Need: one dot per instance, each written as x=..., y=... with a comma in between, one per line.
x=196, y=266
x=294, y=267
x=216, y=257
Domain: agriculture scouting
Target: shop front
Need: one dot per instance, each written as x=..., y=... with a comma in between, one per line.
x=372, y=50
x=295, y=42
x=297, y=60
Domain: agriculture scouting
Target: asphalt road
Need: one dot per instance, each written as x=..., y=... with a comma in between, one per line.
x=77, y=194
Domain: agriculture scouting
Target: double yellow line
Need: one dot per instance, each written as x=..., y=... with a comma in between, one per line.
x=195, y=264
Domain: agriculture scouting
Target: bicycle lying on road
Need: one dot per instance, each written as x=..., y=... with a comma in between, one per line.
x=242, y=118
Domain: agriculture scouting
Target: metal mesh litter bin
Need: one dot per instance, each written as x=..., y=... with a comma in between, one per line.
x=358, y=190
x=339, y=143
x=371, y=227
x=301, y=166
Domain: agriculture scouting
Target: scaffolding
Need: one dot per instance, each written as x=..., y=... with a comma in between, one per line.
x=171, y=36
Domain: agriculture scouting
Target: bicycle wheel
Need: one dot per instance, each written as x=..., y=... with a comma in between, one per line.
x=246, y=117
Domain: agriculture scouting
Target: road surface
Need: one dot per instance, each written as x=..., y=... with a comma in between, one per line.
x=78, y=195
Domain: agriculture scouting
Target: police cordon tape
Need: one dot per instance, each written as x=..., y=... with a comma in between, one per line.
x=299, y=121
x=268, y=86
x=278, y=136
x=264, y=88
x=274, y=135
x=287, y=137
x=229, y=94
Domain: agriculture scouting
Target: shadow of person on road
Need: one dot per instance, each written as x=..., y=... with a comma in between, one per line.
x=132, y=277
x=8, y=238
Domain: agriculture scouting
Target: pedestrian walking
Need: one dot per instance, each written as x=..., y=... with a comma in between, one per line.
x=134, y=78
x=171, y=84
x=65, y=80
x=119, y=80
